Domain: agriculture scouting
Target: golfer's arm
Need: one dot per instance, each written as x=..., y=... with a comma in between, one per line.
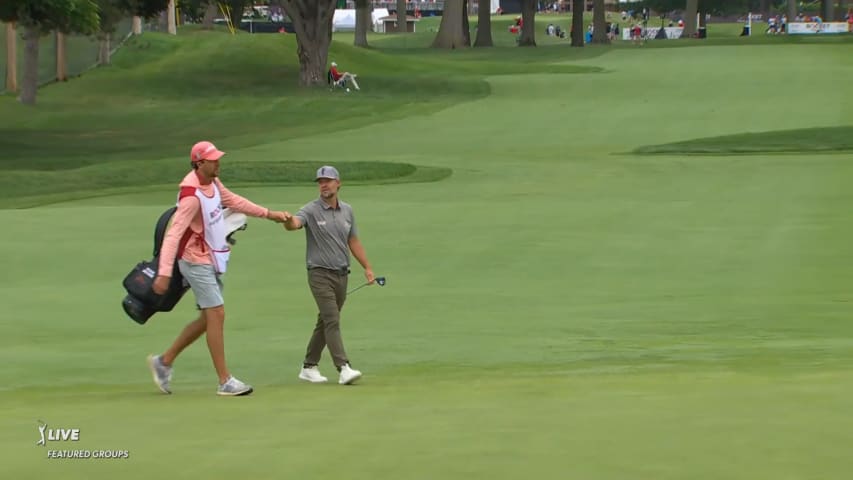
x=293, y=224
x=358, y=252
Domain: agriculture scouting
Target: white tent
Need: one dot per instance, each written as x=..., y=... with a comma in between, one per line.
x=343, y=20
x=496, y=4
x=376, y=15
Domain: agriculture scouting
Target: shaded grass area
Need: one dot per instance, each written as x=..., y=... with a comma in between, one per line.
x=163, y=94
x=803, y=140
x=25, y=189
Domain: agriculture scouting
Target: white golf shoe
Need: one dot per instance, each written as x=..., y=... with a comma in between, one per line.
x=312, y=374
x=348, y=375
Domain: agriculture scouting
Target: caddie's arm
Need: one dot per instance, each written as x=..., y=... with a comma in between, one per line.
x=243, y=205
x=188, y=208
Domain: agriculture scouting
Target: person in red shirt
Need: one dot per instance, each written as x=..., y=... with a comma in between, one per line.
x=341, y=78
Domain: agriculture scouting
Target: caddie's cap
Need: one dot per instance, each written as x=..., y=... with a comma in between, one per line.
x=205, y=151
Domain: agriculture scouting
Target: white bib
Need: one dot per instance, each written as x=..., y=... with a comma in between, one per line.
x=215, y=230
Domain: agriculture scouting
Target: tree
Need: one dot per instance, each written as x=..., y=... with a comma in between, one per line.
x=827, y=10
x=113, y=11
x=362, y=22
x=237, y=7
x=41, y=17
x=110, y=14
x=9, y=14
x=527, y=38
x=577, y=23
x=599, y=23
x=143, y=8
x=690, y=18
x=312, y=20
x=450, y=33
x=402, y=21
x=209, y=16
x=484, y=24
x=466, y=27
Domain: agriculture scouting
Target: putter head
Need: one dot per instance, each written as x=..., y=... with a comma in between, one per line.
x=380, y=281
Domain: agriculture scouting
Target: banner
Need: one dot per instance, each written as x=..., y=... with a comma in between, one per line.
x=811, y=28
x=651, y=32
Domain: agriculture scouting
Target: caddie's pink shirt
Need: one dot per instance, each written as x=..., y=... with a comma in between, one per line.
x=185, y=238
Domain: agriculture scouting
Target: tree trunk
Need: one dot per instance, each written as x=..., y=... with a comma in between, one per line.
x=170, y=21
x=577, y=23
x=690, y=19
x=237, y=7
x=312, y=20
x=792, y=11
x=466, y=27
x=137, y=26
x=104, y=49
x=599, y=23
x=828, y=10
x=484, y=24
x=362, y=22
x=30, y=82
x=402, y=21
x=61, y=58
x=450, y=30
x=209, y=15
x=528, y=24
x=11, y=57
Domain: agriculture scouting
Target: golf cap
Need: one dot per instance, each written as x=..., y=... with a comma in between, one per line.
x=205, y=151
x=334, y=64
x=327, y=172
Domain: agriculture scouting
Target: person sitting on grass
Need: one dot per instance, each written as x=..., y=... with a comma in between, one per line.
x=341, y=78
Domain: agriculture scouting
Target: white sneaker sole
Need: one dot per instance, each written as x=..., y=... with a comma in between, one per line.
x=312, y=380
x=235, y=394
x=153, y=369
x=349, y=381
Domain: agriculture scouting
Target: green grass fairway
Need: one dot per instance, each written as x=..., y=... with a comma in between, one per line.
x=557, y=307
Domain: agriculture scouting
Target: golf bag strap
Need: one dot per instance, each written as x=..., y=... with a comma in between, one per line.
x=160, y=229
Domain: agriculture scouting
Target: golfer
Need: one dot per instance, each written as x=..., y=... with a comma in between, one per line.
x=330, y=234
x=197, y=238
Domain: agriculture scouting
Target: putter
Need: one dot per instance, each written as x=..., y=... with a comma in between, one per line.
x=378, y=280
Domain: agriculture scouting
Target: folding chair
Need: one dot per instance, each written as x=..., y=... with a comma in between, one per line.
x=340, y=83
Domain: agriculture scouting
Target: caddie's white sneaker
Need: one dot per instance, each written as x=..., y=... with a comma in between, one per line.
x=312, y=374
x=234, y=388
x=348, y=375
x=161, y=374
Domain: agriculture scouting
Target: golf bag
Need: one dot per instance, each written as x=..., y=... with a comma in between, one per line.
x=141, y=302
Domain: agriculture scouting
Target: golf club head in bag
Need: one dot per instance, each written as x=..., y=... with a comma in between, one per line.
x=378, y=280
x=234, y=222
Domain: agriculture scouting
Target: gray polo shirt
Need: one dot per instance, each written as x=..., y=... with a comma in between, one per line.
x=327, y=231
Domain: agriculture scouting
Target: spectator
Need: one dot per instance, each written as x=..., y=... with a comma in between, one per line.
x=341, y=78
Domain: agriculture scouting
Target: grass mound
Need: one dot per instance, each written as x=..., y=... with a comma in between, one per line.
x=24, y=189
x=163, y=93
x=803, y=140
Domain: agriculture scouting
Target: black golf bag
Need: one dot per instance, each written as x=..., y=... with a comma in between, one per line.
x=141, y=302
